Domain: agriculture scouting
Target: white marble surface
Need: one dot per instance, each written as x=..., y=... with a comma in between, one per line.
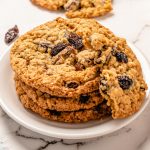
x=130, y=19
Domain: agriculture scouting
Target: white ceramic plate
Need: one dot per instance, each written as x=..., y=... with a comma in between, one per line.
x=11, y=104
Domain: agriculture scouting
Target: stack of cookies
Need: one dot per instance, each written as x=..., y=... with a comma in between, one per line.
x=76, y=70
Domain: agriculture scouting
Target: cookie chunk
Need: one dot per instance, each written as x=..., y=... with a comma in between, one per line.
x=45, y=101
x=60, y=57
x=98, y=112
x=122, y=83
x=78, y=8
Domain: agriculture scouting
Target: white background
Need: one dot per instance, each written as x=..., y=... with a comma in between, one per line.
x=130, y=19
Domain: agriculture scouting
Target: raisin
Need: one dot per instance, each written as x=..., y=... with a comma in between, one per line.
x=89, y=61
x=105, y=47
x=98, y=107
x=102, y=108
x=125, y=82
x=54, y=112
x=58, y=48
x=27, y=62
x=72, y=85
x=79, y=67
x=84, y=98
x=121, y=57
x=99, y=53
x=11, y=34
x=98, y=70
x=97, y=93
x=75, y=40
x=142, y=88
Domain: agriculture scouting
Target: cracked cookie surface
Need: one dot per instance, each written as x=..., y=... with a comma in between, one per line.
x=78, y=8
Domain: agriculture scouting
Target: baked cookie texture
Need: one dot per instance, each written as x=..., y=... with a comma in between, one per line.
x=47, y=101
x=98, y=112
x=67, y=59
x=89, y=9
x=122, y=82
x=59, y=57
x=78, y=8
x=50, y=4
